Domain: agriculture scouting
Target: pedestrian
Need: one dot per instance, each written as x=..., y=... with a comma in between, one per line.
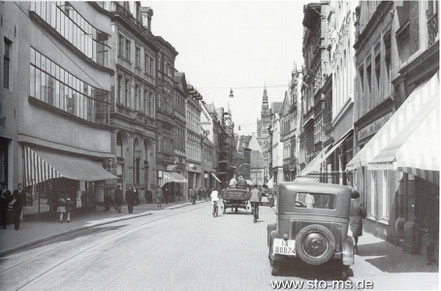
x=5, y=198
x=165, y=193
x=18, y=202
x=159, y=196
x=69, y=208
x=192, y=196
x=106, y=201
x=129, y=199
x=118, y=198
x=357, y=213
x=61, y=207
x=204, y=193
x=256, y=196
x=432, y=225
x=135, y=197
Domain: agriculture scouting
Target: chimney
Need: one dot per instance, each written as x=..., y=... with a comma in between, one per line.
x=146, y=17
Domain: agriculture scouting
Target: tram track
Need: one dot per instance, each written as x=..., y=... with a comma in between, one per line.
x=69, y=258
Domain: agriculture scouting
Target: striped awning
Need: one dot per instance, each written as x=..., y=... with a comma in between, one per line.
x=382, y=151
x=416, y=148
x=169, y=177
x=37, y=170
x=312, y=173
x=308, y=174
x=42, y=165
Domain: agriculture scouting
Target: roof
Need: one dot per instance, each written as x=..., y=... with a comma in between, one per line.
x=286, y=106
x=254, y=144
x=275, y=107
x=167, y=45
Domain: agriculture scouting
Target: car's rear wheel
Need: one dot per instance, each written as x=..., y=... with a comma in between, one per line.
x=315, y=244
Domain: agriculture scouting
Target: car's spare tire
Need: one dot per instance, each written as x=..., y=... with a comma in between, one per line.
x=315, y=244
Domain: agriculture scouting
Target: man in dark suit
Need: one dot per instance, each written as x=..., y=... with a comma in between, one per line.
x=5, y=198
x=18, y=202
x=129, y=199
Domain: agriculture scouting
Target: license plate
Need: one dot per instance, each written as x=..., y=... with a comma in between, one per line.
x=284, y=247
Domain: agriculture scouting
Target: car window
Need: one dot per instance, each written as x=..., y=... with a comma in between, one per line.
x=315, y=200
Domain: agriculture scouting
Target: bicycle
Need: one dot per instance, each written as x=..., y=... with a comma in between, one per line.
x=215, y=209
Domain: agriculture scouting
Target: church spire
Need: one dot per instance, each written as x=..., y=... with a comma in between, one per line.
x=265, y=105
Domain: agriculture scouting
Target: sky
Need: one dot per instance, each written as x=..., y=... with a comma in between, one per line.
x=226, y=44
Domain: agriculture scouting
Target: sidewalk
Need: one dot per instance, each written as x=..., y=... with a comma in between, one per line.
x=390, y=268
x=38, y=231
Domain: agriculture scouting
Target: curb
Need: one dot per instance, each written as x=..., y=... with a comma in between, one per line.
x=42, y=240
x=184, y=205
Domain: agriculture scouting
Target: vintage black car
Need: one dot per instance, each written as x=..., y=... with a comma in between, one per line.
x=311, y=225
x=235, y=198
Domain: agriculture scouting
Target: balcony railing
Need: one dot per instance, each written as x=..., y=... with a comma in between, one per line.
x=432, y=26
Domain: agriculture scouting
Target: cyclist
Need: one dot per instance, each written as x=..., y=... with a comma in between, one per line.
x=214, y=199
x=256, y=195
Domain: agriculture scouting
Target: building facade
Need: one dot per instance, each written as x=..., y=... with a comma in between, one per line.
x=134, y=93
x=165, y=159
x=209, y=147
x=289, y=126
x=276, y=161
x=397, y=58
x=316, y=69
x=226, y=146
x=61, y=80
x=180, y=97
x=193, y=139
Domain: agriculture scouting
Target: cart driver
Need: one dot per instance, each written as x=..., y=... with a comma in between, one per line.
x=233, y=181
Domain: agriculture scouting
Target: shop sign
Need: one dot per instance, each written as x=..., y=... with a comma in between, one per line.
x=171, y=167
x=373, y=127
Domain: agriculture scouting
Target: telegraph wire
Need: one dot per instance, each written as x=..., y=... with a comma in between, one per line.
x=245, y=87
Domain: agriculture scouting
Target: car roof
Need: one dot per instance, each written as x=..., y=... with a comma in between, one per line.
x=315, y=187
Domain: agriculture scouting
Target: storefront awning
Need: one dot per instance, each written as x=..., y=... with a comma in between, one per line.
x=403, y=141
x=214, y=176
x=311, y=173
x=416, y=147
x=169, y=177
x=43, y=165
